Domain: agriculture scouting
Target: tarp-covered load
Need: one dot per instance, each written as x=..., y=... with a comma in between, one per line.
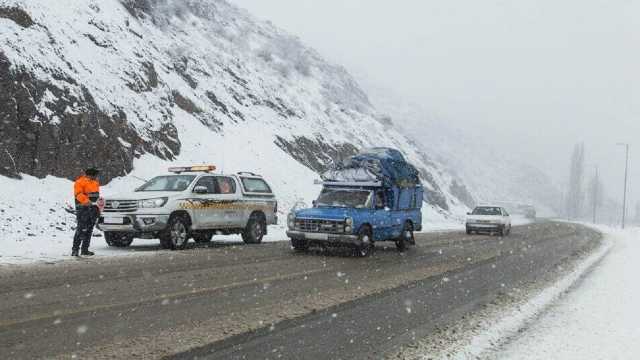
x=372, y=165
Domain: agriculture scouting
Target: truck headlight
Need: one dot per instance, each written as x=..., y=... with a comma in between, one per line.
x=152, y=203
x=291, y=221
x=348, y=229
x=349, y=221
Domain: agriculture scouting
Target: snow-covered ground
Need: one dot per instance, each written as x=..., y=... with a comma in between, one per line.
x=600, y=319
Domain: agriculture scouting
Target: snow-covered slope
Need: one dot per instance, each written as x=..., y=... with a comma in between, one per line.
x=135, y=86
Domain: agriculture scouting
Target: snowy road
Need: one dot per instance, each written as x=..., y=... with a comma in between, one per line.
x=234, y=301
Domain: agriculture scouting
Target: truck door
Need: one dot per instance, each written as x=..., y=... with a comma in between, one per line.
x=230, y=207
x=381, y=216
x=203, y=202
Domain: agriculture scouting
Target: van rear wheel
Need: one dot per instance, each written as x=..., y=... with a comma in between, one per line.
x=406, y=237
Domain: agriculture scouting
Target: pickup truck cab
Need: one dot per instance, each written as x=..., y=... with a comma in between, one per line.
x=358, y=215
x=490, y=219
x=190, y=202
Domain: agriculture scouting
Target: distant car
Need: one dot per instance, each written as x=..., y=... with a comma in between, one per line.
x=489, y=219
x=191, y=202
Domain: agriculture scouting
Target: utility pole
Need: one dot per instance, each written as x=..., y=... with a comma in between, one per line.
x=596, y=185
x=626, y=174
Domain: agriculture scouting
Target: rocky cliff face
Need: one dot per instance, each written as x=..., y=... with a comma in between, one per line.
x=108, y=83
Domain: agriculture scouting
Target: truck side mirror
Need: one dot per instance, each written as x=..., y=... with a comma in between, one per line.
x=200, y=190
x=314, y=203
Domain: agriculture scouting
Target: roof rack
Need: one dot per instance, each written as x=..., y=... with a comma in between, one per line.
x=349, y=183
x=247, y=173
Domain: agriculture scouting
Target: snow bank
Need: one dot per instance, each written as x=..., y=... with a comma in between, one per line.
x=598, y=320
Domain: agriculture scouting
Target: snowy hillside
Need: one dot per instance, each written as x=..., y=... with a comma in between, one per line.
x=134, y=86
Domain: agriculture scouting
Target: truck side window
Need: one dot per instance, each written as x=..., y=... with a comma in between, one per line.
x=226, y=185
x=208, y=182
x=380, y=204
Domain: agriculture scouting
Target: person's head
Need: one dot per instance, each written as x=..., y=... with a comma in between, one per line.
x=92, y=172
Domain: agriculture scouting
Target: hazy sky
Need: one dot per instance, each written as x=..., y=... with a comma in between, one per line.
x=531, y=76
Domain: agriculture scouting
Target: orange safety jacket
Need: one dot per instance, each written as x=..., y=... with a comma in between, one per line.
x=86, y=190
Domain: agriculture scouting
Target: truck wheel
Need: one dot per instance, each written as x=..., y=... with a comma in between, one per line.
x=115, y=239
x=299, y=245
x=501, y=232
x=254, y=232
x=176, y=236
x=366, y=238
x=406, y=237
x=202, y=238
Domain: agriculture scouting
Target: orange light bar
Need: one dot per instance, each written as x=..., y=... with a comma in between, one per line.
x=198, y=168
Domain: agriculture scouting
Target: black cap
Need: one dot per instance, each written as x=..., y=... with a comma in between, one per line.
x=92, y=171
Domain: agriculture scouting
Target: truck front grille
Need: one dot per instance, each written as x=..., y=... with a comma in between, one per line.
x=121, y=206
x=321, y=226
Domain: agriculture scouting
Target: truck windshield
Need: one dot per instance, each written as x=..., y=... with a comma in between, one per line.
x=486, y=211
x=344, y=198
x=168, y=183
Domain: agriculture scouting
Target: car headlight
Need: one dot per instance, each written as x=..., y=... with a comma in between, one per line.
x=349, y=221
x=291, y=221
x=152, y=203
x=348, y=229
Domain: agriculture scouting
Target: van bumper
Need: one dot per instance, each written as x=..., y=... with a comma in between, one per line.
x=321, y=238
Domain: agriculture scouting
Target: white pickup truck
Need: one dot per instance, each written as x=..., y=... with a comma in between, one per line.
x=191, y=202
x=489, y=219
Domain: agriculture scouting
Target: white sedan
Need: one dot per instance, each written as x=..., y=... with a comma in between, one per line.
x=489, y=219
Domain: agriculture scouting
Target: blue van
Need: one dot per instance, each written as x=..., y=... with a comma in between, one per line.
x=374, y=196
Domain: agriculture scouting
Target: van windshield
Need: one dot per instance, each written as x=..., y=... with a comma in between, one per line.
x=168, y=183
x=346, y=198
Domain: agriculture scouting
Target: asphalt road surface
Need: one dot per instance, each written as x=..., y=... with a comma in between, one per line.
x=265, y=301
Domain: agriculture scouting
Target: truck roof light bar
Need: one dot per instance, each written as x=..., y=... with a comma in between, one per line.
x=197, y=168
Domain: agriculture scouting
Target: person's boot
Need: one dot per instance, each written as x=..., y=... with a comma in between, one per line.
x=87, y=253
x=74, y=253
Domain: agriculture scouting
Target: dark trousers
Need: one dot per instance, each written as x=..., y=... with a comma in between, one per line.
x=86, y=217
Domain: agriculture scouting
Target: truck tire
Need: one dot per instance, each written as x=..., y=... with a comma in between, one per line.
x=255, y=229
x=116, y=239
x=300, y=245
x=202, y=238
x=406, y=237
x=502, y=230
x=176, y=236
x=365, y=235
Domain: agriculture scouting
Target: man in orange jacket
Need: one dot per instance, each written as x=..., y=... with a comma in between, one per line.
x=86, y=190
